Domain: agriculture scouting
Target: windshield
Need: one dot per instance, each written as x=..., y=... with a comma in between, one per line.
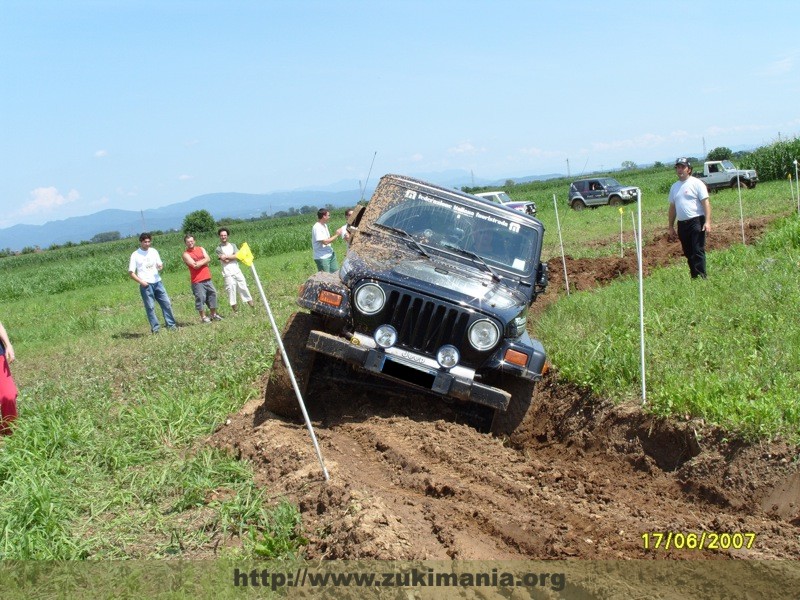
x=728, y=165
x=611, y=182
x=463, y=230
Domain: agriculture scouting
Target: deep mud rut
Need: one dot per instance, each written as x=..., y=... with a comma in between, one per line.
x=411, y=479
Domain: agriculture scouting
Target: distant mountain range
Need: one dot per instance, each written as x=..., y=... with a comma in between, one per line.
x=221, y=205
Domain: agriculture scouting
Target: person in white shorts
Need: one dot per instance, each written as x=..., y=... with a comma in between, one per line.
x=231, y=273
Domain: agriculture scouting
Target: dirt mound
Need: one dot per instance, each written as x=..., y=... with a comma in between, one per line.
x=582, y=479
x=588, y=273
x=415, y=478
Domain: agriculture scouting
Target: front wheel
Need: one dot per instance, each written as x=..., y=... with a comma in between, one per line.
x=279, y=396
x=521, y=390
x=615, y=201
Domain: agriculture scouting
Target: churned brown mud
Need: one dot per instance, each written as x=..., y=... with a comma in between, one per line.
x=414, y=478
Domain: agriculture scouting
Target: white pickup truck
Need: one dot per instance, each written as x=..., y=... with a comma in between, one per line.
x=718, y=174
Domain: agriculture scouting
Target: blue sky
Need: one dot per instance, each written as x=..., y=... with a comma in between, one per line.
x=139, y=104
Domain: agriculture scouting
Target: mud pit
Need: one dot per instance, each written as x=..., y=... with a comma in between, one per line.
x=411, y=479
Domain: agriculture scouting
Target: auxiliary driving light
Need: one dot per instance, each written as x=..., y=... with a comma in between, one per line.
x=447, y=356
x=385, y=336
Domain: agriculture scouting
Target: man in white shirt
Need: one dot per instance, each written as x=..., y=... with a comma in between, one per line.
x=688, y=202
x=231, y=273
x=321, y=240
x=143, y=268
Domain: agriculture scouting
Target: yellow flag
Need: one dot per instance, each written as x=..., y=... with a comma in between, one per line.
x=245, y=255
x=621, y=210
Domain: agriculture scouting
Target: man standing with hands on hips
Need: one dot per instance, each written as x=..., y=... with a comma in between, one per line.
x=688, y=202
x=205, y=294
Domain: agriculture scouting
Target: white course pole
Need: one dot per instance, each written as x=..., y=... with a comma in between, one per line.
x=291, y=373
x=741, y=211
x=791, y=191
x=797, y=185
x=621, y=247
x=641, y=297
x=561, y=242
x=635, y=236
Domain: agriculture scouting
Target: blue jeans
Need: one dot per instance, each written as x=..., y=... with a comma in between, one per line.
x=155, y=292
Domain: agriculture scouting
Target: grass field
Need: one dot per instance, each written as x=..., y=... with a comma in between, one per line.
x=108, y=459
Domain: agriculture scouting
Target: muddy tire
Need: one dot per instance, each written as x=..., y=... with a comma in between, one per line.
x=279, y=396
x=615, y=201
x=521, y=390
x=578, y=205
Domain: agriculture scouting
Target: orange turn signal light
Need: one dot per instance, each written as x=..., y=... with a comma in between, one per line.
x=515, y=357
x=327, y=297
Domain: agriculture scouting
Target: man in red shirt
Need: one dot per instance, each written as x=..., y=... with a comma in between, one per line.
x=205, y=294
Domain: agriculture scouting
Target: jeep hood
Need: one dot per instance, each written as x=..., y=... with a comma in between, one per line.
x=439, y=277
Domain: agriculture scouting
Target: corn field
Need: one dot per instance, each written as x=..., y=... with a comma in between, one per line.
x=775, y=161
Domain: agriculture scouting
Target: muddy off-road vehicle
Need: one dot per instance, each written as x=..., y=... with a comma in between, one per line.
x=433, y=294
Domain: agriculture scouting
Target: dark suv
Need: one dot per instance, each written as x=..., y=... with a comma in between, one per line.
x=598, y=191
x=433, y=294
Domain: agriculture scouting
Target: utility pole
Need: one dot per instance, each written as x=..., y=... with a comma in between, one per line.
x=704, y=148
x=567, y=168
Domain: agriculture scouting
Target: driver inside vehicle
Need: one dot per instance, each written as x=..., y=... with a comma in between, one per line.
x=488, y=243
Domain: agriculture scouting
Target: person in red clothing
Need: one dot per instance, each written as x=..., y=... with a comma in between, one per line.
x=205, y=294
x=8, y=389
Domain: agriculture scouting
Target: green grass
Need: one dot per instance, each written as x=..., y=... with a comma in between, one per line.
x=105, y=461
x=725, y=349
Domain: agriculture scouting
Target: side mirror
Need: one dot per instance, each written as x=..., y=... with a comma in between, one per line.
x=355, y=218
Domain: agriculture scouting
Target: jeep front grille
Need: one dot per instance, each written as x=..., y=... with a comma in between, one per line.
x=425, y=325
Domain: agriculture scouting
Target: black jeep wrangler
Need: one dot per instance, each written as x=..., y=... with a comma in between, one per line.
x=434, y=294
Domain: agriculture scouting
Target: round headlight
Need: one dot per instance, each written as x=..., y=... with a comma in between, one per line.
x=385, y=336
x=483, y=334
x=370, y=298
x=447, y=356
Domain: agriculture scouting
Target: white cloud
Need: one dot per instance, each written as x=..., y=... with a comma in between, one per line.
x=129, y=193
x=101, y=154
x=416, y=157
x=465, y=148
x=714, y=130
x=185, y=177
x=647, y=140
x=780, y=67
x=45, y=199
x=539, y=153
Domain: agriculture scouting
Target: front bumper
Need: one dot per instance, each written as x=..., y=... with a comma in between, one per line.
x=409, y=368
